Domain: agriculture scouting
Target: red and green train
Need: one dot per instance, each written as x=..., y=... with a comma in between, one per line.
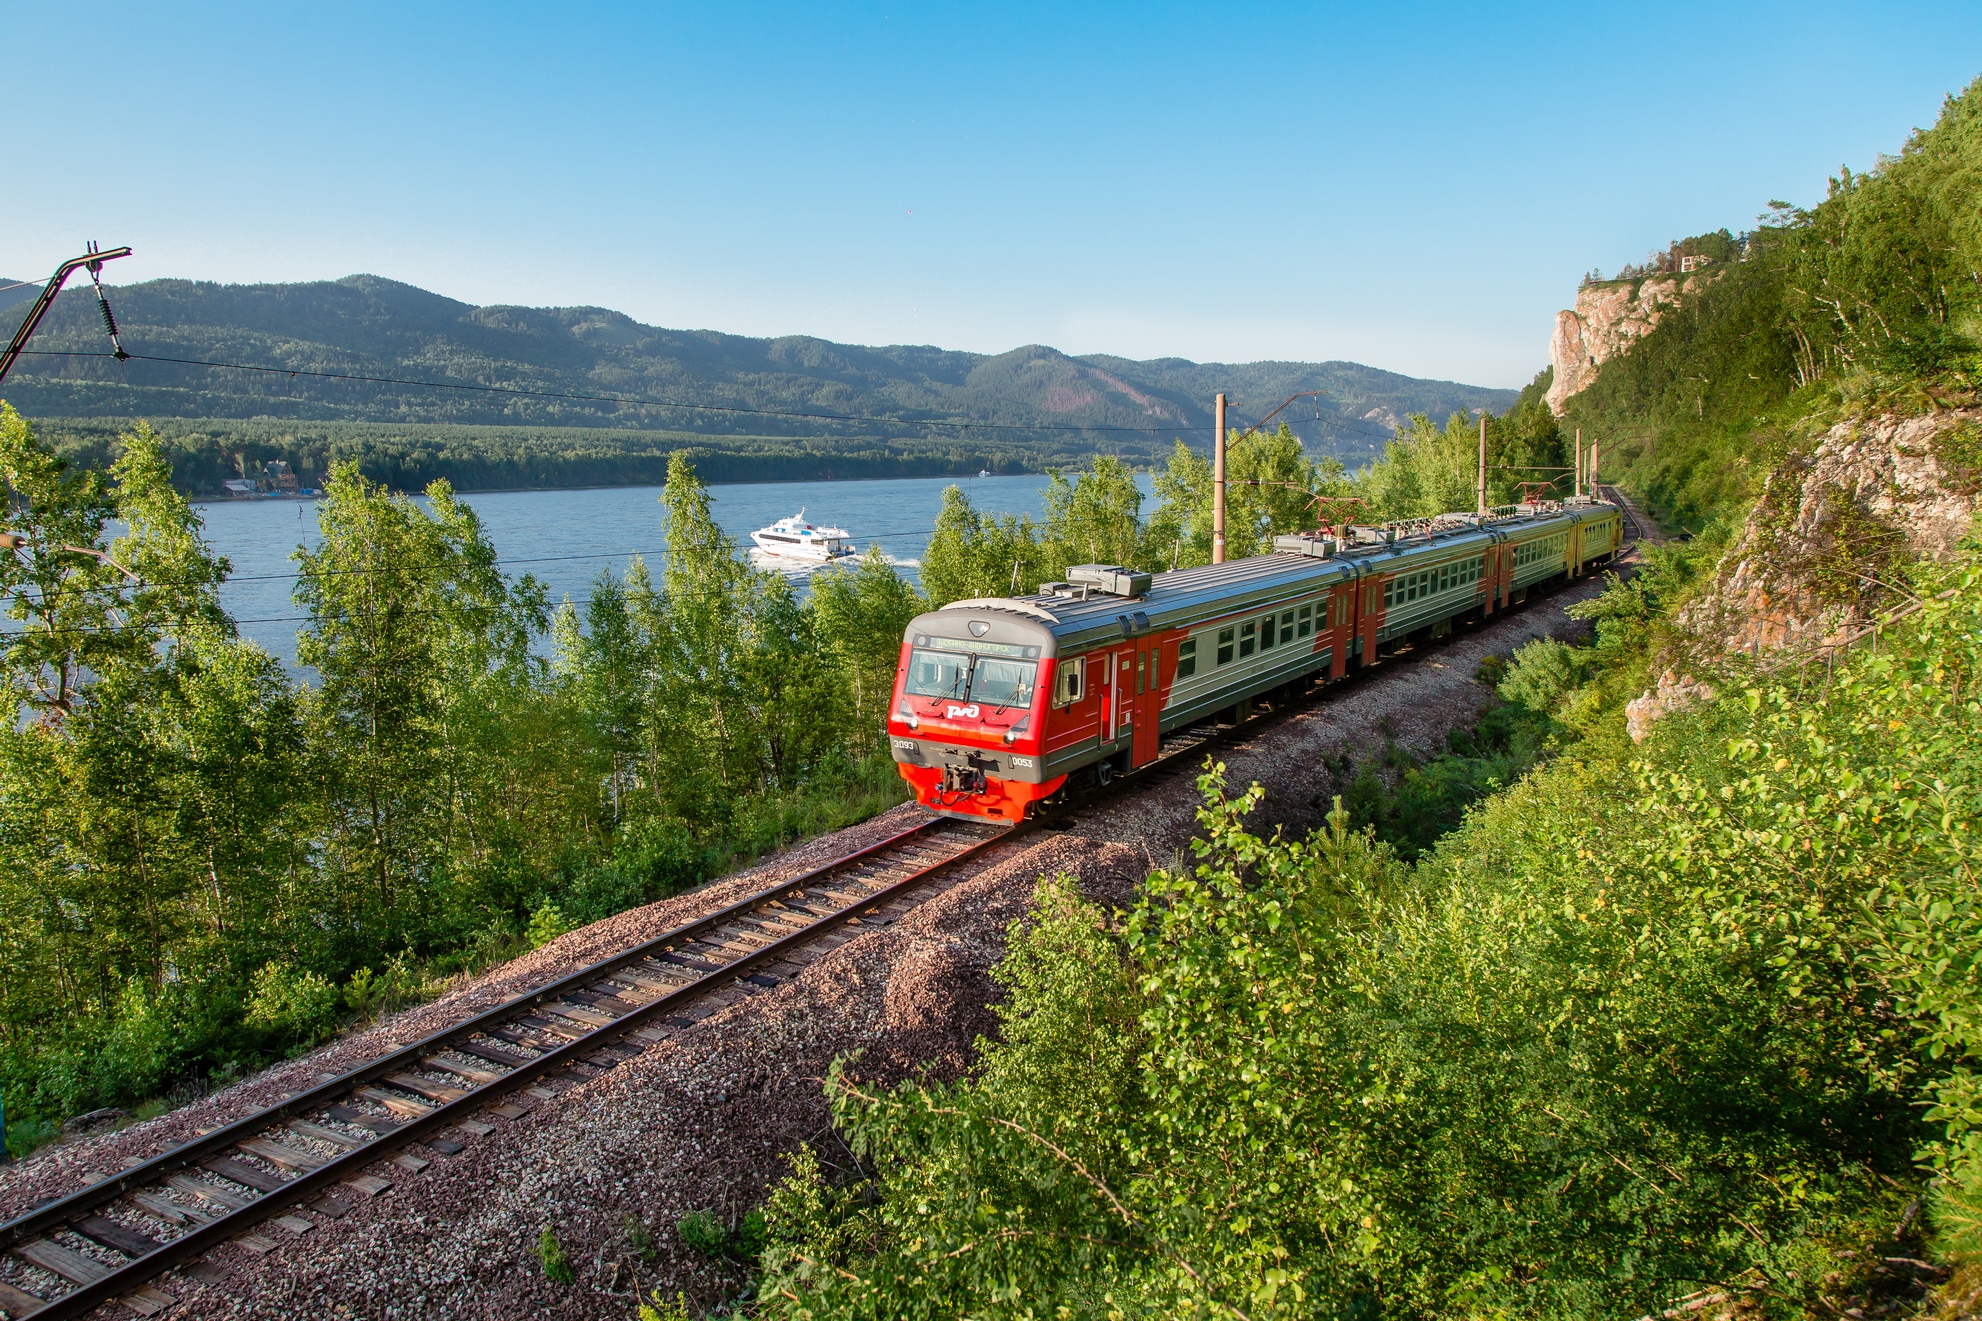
x=1000, y=701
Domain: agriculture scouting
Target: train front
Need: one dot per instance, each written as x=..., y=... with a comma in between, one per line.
x=968, y=723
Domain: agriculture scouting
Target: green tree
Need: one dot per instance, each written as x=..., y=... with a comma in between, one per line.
x=1094, y=518
x=975, y=554
x=1271, y=488
x=860, y=615
x=422, y=649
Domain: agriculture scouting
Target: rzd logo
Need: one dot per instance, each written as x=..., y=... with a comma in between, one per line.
x=963, y=712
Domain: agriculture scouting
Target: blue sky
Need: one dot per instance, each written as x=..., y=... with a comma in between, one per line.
x=1417, y=187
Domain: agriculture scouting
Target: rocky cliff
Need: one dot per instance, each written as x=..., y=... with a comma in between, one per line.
x=1822, y=551
x=1608, y=318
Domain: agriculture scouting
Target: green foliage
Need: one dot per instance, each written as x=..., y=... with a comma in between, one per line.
x=1871, y=299
x=1093, y=519
x=809, y=1224
x=203, y=863
x=861, y=615
x=702, y=1232
x=1599, y=1049
x=1270, y=488
x=1273, y=487
x=298, y=1005
x=550, y=1255
x=974, y=554
x=1543, y=673
x=1429, y=470
x=657, y=1308
x=546, y=925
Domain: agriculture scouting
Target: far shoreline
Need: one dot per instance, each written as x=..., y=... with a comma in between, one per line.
x=635, y=486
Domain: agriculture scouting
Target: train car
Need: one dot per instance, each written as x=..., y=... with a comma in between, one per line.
x=1001, y=702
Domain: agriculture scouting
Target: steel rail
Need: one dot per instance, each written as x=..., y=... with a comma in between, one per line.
x=204, y=1238
x=196, y=1241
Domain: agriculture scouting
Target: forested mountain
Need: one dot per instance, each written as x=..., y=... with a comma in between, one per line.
x=369, y=326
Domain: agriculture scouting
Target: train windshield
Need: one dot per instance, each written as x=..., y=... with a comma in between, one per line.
x=1002, y=682
x=988, y=680
x=938, y=674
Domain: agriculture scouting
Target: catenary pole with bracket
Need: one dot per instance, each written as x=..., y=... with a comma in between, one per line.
x=94, y=261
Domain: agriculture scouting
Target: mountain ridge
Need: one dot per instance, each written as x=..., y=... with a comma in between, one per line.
x=373, y=326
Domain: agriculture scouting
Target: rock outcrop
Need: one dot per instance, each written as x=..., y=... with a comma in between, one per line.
x=1675, y=692
x=1607, y=320
x=1810, y=566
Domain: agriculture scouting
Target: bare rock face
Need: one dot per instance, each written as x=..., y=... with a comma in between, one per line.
x=1607, y=320
x=1810, y=566
x=1674, y=693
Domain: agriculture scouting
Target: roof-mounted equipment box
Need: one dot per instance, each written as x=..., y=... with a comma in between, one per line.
x=1112, y=579
x=1304, y=543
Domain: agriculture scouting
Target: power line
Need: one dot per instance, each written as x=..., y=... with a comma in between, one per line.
x=102, y=630
x=651, y=402
x=299, y=574
x=640, y=400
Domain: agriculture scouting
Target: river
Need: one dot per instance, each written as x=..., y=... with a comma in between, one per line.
x=566, y=538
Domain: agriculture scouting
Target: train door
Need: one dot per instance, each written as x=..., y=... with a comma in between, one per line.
x=1120, y=695
x=1341, y=628
x=1372, y=617
x=1148, y=701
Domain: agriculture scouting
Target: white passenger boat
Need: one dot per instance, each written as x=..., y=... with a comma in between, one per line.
x=795, y=539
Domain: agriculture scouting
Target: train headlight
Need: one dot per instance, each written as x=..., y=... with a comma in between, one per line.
x=1018, y=728
x=907, y=715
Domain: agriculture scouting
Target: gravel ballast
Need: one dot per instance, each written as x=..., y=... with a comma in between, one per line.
x=701, y=1122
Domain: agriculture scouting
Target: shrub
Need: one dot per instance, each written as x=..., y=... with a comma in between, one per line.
x=657, y=1308
x=1539, y=1075
x=295, y=1005
x=546, y=925
x=550, y=1255
x=360, y=990
x=704, y=1233
x=1542, y=673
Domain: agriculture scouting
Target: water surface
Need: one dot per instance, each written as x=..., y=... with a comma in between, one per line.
x=566, y=538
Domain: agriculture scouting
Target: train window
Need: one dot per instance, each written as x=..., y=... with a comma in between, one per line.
x=1224, y=646
x=1306, y=622
x=998, y=682
x=1187, y=658
x=1248, y=638
x=937, y=673
x=1287, y=625
x=1142, y=662
x=1067, y=684
x=1266, y=634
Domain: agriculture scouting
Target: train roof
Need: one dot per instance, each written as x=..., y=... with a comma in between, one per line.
x=1183, y=597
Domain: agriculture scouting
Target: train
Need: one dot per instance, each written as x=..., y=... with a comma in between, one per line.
x=1003, y=705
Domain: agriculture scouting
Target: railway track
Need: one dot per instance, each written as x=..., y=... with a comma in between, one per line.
x=333, y=1146
x=1637, y=527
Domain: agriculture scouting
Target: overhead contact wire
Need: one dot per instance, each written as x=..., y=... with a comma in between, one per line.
x=638, y=400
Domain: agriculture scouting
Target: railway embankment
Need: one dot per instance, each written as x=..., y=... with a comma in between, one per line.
x=702, y=1121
